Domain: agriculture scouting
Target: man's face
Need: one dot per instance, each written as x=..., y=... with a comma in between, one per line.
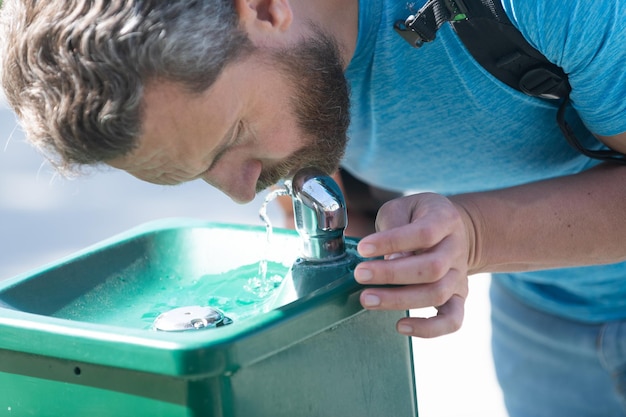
x=264, y=118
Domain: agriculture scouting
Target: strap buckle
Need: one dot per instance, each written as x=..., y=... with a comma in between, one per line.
x=545, y=83
x=405, y=29
x=423, y=26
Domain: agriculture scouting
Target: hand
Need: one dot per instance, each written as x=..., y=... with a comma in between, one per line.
x=424, y=241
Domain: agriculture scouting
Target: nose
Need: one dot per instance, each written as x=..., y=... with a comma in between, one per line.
x=238, y=182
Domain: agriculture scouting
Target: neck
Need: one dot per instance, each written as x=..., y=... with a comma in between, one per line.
x=339, y=18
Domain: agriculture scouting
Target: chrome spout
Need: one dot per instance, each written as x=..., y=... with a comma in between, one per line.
x=320, y=215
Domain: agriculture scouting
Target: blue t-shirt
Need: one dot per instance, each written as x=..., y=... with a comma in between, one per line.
x=432, y=119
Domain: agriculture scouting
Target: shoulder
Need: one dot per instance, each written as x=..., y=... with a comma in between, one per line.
x=585, y=39
x=569, y=31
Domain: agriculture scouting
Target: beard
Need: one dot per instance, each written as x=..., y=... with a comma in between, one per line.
x=321, y=105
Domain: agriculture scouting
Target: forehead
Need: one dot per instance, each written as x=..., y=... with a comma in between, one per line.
x=176, y=121
x=170, y=112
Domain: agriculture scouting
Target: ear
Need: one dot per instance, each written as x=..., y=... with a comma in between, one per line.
x=262, y=18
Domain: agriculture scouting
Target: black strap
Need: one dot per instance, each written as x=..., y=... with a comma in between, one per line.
x=497, y=45
x=608, y=155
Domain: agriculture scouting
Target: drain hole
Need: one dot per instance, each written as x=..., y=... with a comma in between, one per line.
x=190, y=318
x=77, y=371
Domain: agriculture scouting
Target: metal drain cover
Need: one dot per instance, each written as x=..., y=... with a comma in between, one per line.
x=190, y=318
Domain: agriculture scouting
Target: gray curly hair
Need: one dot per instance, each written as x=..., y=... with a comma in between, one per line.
x=74, y=70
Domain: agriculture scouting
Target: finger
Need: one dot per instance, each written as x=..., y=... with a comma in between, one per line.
x=404, y=270
x=412, y=237
x=407, y=238
x=399, y=255
x=448, y=320
x=400, y=269
x=431, y=216
x=409, y=297
x=405, y=210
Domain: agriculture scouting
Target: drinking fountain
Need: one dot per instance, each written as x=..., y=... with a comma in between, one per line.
x=183, y=317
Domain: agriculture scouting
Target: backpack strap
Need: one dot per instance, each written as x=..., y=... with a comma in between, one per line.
x=497, y=45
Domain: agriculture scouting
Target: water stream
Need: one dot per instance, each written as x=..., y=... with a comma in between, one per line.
x=263, y=285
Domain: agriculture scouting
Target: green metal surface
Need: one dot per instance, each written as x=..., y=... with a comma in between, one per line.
x=81, y=329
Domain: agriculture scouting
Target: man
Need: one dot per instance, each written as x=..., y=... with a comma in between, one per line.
x=241, y=93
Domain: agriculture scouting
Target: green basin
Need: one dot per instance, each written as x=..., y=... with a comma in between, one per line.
x=77, y=336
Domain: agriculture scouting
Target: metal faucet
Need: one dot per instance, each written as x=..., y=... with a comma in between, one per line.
x=320, y=215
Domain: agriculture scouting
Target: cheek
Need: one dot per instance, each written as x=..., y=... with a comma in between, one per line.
x=279, y=135
x=283, y=143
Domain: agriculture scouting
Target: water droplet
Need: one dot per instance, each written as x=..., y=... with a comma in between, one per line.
x=245, y=301
x=198, y=323
x=219, y=301
x=150, y=315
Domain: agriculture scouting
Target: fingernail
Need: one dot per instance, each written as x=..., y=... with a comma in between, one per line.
x=405, y=329
x=371, y=300
x=367, y=249
x=363, y=275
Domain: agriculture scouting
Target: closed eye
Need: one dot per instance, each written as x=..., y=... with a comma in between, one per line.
x=235, y=138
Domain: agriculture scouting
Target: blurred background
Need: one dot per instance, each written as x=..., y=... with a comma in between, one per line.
x=44, y=217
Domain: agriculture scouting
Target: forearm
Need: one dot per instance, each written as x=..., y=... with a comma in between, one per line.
x=568, y=221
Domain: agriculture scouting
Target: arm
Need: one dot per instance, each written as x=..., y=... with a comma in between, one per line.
x=431, y=243
x=569, y=221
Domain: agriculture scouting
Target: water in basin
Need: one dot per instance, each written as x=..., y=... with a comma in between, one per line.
x=132, y=299
x=130, y=279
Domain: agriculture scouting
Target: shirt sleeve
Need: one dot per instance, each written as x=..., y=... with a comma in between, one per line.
x=586, y=39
